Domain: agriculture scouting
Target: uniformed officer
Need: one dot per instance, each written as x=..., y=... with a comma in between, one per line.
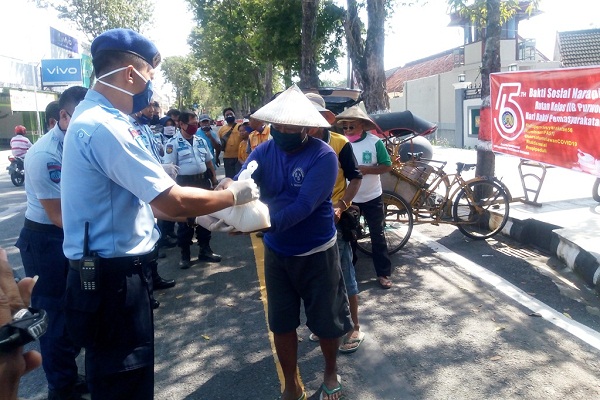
x=115, y=187
x=40, y=243
x=194, y=158
x=147, y=139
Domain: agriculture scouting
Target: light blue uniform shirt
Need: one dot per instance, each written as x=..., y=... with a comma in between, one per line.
x=190, y=159
x=108, y=179
x=147, y=139
x=43, y=166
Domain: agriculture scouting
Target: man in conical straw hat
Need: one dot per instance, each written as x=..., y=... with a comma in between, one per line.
x=373, y=160
x=295, y=175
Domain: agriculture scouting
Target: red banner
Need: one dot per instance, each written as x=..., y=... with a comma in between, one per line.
x=550, y=116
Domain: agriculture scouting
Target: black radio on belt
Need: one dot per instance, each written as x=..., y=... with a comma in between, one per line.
x=88, y=264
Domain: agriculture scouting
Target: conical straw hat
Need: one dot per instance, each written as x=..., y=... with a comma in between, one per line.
x=352, y=114
x=291, y=108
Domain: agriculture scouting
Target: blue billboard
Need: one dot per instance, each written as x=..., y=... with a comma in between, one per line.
x=63, y=40
x=61, y=72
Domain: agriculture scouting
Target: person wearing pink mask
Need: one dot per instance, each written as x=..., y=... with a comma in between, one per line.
x=373, y=160
x=192, y=155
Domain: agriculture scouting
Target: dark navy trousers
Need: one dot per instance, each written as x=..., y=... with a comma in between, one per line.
x=42, y=255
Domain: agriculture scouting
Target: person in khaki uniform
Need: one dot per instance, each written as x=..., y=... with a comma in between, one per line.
x=230, y=143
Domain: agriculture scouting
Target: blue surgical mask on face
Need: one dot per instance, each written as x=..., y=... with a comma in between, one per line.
x=140, y=100
x=288, y=141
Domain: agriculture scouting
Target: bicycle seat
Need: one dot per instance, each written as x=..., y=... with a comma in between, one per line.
x=464, y=167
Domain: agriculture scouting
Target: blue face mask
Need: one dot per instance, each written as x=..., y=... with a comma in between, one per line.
x=288, y=141
x=148, y=121
x=140, y=100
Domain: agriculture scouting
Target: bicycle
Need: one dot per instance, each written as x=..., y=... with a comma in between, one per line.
x=420, y=191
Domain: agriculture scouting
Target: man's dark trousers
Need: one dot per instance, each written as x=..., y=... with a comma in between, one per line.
x=185, y=233
x=42, y=255
x=372, y=210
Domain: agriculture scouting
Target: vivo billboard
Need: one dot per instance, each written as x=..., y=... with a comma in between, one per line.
x=61, y=72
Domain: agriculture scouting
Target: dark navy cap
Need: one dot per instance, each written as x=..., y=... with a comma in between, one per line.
x=204, y=117
x=127, y=41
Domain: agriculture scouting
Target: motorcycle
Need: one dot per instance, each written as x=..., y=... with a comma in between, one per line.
x=16, y=170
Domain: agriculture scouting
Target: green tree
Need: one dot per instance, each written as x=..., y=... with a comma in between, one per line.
x=92, y=17
x=250, y=48
x=366, y=51
x=488, y=16
x=179, y=71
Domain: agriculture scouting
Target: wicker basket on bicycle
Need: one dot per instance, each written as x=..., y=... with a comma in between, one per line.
x=414, y=172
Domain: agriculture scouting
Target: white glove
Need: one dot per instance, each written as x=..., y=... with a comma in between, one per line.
x=171, y=169
x=243, y=191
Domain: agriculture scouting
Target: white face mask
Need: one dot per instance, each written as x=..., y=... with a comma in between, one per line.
x=116, y=87
x=169, y=130
x=140, y=100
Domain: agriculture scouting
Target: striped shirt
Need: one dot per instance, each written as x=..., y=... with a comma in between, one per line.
x=19, y=145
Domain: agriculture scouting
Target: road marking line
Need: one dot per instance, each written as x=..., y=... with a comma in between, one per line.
x=259, y=258
x=11, y=211
x=575, y=328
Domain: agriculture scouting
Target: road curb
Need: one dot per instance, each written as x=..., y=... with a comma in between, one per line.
x=548, y=237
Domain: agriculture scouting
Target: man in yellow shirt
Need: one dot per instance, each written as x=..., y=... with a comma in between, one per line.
x=230, y=143
x=261, y=133
x=243, y=147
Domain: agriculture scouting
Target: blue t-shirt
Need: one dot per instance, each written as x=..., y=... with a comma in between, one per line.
x=108, y=179
x=297, y=189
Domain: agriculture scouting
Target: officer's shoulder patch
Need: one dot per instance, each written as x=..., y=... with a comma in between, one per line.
x=169, y=148
x=54, y=170
x=134, y=132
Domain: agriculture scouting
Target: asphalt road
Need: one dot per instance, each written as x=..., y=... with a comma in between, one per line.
x=464, y=320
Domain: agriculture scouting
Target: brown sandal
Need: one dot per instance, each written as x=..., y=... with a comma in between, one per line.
x=384, y=282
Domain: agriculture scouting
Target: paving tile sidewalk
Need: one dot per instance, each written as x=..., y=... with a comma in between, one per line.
x=567, y=224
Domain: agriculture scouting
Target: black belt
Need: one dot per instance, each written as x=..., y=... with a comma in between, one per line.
x=124, y=264
x=190, y=178
x=36, y=226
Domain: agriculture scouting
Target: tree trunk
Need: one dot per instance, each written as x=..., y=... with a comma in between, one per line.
x=356, y=47
x=309, y=77
x=268, y=83
x=375, y=95
x=491, y=63
x=367, y=55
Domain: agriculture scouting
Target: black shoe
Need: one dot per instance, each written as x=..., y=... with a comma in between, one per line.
x=184, y=263
x=172, y=235
x=161, y=283
x=162, y=254
x=206, y=254
x=155, y=304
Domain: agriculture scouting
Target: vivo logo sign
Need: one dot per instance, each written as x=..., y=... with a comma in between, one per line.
x=61, y=72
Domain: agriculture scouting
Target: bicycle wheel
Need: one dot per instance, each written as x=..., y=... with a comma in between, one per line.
x=398, y=224
x=596, y=190
x=481, y=209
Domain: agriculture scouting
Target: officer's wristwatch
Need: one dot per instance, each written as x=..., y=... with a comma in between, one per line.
x=27, y=325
